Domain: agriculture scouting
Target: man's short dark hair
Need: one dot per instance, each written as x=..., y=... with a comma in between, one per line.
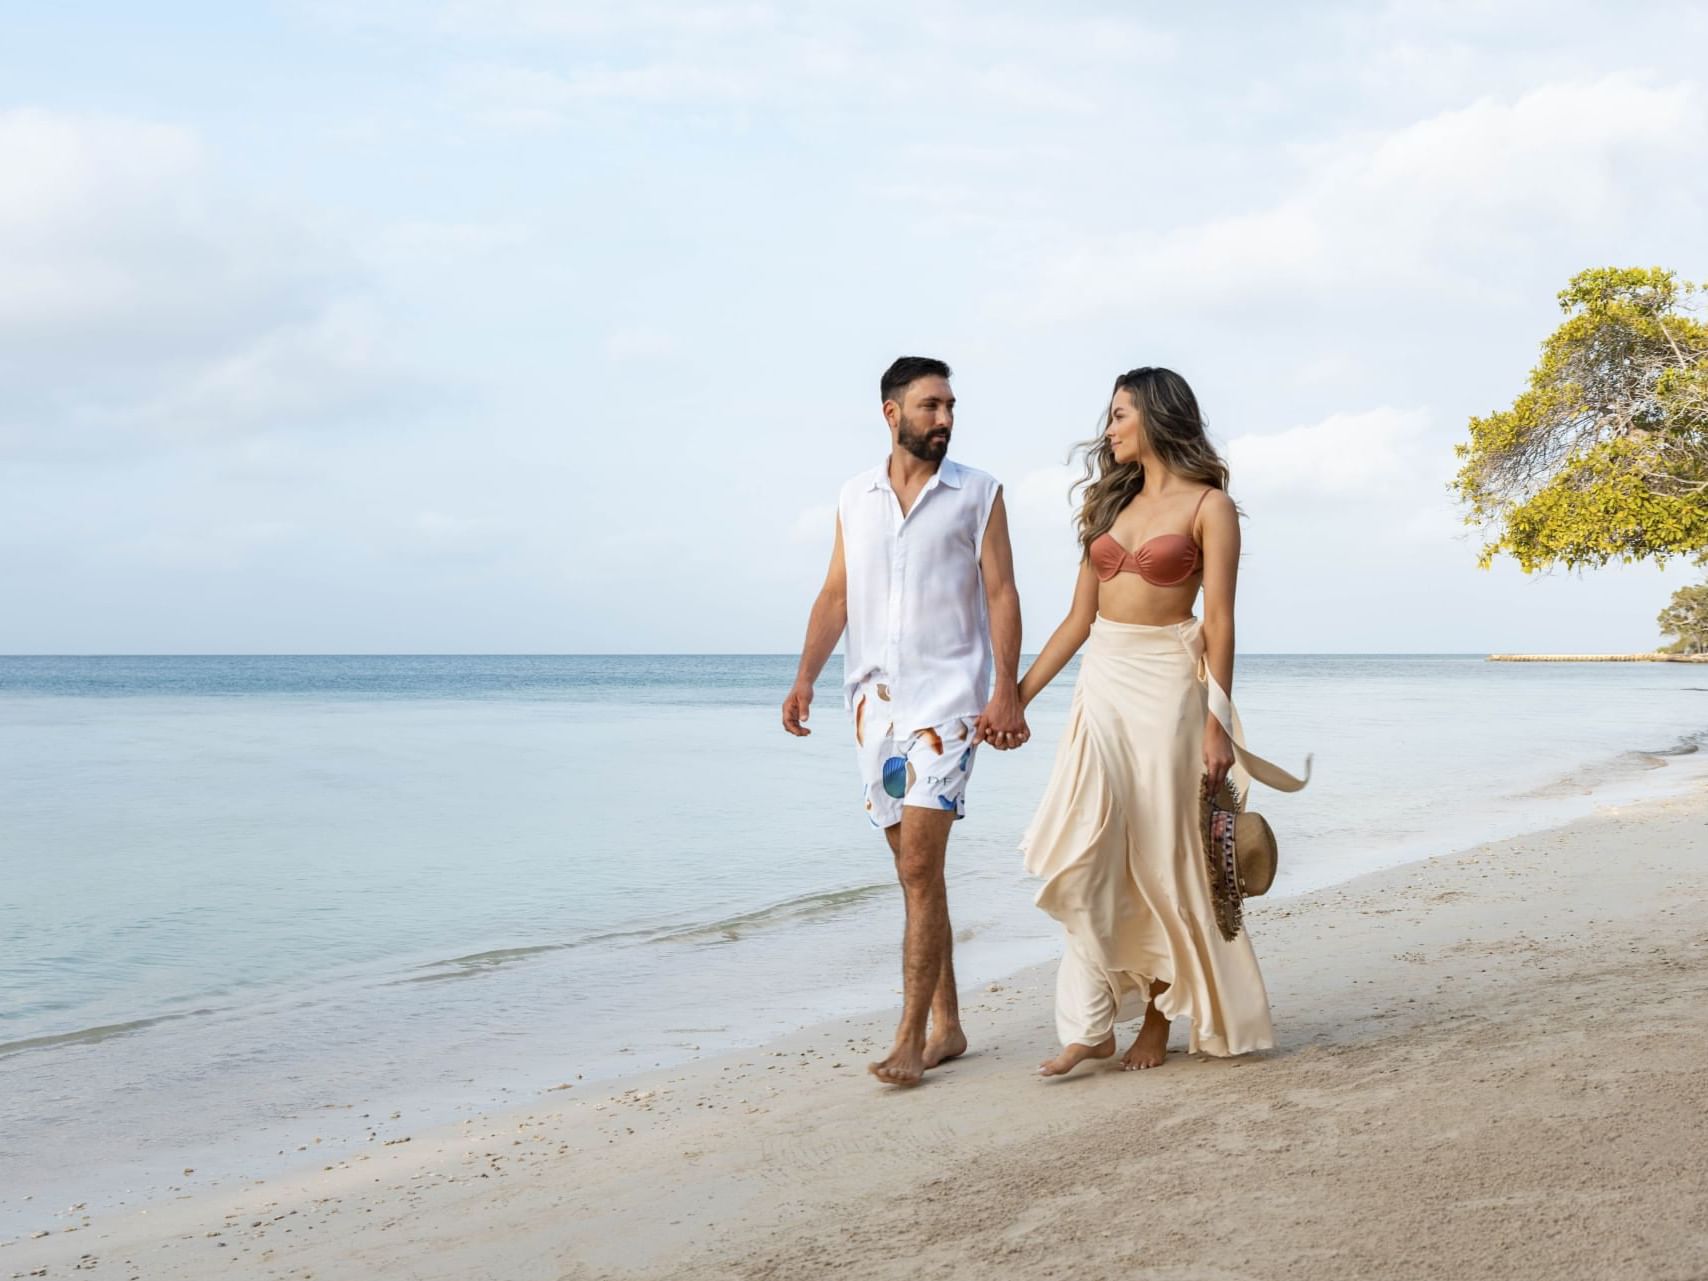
x=909, y=369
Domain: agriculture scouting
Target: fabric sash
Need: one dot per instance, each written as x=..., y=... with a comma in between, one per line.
x=1247, y=763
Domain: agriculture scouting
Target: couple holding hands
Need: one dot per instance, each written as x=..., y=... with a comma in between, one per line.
x=922, y=579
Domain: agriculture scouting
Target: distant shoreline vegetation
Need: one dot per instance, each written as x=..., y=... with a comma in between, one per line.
x=1599, y=658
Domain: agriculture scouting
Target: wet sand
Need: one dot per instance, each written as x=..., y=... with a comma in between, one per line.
x=1490, y=1064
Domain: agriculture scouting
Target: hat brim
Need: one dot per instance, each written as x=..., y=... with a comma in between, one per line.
x=1254, y=847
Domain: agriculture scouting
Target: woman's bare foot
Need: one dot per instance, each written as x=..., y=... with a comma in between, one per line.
x=1075, y=1054
x=905, y=1065
x=1150, y=1046
x=945, y=1046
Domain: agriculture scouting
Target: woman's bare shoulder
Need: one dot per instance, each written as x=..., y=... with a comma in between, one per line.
x=1217, y=512
x=1217, y=501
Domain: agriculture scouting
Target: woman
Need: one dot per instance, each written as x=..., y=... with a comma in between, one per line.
x=1116, y=838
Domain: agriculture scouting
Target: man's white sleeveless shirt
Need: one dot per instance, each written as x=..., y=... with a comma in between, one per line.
x=916, y=604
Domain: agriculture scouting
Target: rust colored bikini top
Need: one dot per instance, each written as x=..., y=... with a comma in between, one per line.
x=1164, y=561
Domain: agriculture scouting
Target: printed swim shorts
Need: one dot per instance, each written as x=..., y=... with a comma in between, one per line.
x=925, y=767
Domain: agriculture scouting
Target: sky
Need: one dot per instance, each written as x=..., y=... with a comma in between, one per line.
x=532, y=326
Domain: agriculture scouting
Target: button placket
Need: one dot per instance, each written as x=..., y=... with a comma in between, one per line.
x=898, y=574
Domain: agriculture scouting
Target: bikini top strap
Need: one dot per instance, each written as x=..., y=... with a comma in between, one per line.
x=1192, y=525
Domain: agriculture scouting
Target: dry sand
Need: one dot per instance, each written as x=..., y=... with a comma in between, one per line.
x=1490, y=1065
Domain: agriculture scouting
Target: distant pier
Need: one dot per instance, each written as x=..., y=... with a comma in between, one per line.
x=1598, y=658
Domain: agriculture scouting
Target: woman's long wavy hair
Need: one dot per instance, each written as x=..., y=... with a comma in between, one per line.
x=1173, y=428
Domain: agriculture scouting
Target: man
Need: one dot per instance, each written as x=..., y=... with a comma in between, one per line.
x=922, y=576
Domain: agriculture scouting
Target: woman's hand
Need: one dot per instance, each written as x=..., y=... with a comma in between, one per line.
x=1218, y=753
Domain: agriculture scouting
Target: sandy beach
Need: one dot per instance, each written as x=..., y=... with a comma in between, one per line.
x=1489, y=1065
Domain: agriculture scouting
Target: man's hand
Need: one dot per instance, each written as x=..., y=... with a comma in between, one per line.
x=796, y=708
x=1002, y=724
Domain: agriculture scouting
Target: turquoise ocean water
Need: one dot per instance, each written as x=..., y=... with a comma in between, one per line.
x=254, y=902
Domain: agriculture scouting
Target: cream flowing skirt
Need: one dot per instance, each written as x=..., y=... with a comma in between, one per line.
x=1117, y=842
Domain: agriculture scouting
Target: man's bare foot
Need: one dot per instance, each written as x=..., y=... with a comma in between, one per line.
x=949, y=1045
x=905, y=1065
x=1150, y=1046
x=1075, y=1054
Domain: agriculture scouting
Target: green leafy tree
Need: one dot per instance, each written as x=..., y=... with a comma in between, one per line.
x=1605, y=456
x=1687, y=619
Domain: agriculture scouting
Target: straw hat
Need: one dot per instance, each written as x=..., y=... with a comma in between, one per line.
x=1240, y=849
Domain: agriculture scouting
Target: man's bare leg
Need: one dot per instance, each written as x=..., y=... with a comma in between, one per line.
x=945, y=1038
x=1150, y=1046
x=919, y=866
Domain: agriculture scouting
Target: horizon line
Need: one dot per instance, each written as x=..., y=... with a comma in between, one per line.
x=685, y=653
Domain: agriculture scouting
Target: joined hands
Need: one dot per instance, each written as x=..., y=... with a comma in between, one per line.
x=1002, y=724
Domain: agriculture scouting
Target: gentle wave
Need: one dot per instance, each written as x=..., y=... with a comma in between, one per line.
x=474, y=964
x=802, y=907
x=1614, y=769
x=94, y=1035
x=722, y=930
x=1686, y=746
x=478, y=963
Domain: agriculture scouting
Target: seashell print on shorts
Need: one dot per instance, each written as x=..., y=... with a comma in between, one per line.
x=925, y=765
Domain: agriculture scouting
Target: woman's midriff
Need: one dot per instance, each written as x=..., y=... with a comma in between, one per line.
x=1145, y=604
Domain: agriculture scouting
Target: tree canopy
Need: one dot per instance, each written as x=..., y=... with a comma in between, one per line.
x=1687, y=619
x=1605, y=455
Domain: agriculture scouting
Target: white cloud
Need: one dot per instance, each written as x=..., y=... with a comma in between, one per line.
x=952, y=63
x=1446, y=202
x=75, y=162
x=1369, y=455
x=418, y=243
x=140, y=302
x=109, y=232
x=1325, y=370
x=1373, y=484
x=528, y=98
x=1040, y=497
x=312, y=374
x=639, y=344
x=578, y=19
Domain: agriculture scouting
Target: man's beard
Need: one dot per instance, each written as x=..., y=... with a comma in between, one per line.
x=927, y=446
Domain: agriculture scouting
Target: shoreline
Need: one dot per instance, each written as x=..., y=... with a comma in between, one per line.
x=754, y=1145
x=1598, y=658
x=278, y=1143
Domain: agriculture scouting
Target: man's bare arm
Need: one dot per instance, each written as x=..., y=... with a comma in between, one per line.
x=824, y=628
x=1002, y=723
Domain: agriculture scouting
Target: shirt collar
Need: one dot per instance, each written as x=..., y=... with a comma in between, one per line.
x=948, y=473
